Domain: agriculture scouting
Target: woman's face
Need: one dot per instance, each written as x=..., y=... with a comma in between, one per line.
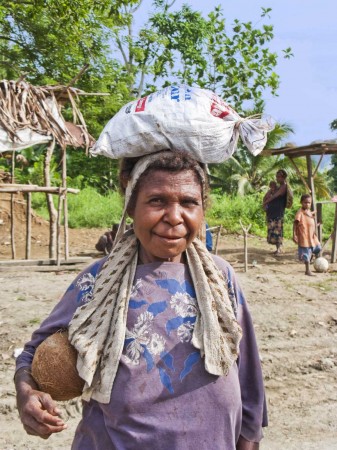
x=167, y=215
x=279, y=177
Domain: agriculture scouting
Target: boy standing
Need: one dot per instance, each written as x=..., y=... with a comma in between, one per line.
x=304, y=233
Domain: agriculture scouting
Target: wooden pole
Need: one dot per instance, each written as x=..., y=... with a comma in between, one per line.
x=31, y=188
x=334, y=238
x=65, y=204
x=311, y=182
x=28, y=224
x=58, y=230
x=50, y=203
x=245, y=232
x=217, y=239
x=319, y=218
x=318, y=164
x=299, y=173
x=13, y=211
x=312, y=187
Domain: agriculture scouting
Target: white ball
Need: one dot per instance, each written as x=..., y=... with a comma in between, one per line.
x=321, y=264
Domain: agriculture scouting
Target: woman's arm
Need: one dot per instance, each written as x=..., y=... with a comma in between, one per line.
x=279, y=193
x=38, y=411
x=243, y=444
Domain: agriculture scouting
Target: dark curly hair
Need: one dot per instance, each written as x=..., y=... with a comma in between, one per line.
x=174, y=161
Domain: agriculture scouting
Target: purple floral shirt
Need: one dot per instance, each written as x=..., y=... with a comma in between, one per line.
x=162, y=397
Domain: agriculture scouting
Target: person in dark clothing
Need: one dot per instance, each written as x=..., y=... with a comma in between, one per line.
x=275, y=205
x=105, y=242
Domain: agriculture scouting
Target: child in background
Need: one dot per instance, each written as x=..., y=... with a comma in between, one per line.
x=304, y=233
x=272, y=189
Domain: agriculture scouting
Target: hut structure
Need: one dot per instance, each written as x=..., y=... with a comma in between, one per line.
x=308, y=151
x=31, y=115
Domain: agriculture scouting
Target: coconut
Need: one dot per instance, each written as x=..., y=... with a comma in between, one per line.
x=54, y=368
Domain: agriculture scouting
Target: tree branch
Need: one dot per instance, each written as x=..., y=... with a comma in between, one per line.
x=119, y=44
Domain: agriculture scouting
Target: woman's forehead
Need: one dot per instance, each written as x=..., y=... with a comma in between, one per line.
x=161, y=180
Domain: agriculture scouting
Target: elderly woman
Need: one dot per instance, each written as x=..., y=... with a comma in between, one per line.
x=164, y=337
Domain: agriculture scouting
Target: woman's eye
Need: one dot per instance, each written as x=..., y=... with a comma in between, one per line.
x=156, y=201
x=190, y=202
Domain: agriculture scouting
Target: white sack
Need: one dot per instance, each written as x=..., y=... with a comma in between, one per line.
x=25, y=138
x=184, y=118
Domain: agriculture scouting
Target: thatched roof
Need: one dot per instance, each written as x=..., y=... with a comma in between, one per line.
x=32, y=114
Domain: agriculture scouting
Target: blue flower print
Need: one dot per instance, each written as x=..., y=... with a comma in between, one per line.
x=86, y=287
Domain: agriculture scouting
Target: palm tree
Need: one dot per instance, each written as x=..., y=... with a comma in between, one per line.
x=246, y=174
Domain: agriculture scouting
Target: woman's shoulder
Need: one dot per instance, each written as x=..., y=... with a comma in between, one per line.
x=93, y=268
x=223, y=265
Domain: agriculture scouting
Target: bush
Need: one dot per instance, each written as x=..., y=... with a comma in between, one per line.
x=88, y=209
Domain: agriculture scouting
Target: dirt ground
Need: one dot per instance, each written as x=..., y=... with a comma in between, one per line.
x=295, y=317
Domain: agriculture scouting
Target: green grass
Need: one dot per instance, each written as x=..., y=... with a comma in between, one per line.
x=88, y=209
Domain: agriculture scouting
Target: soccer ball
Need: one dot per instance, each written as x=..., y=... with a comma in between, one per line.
x=321, y=264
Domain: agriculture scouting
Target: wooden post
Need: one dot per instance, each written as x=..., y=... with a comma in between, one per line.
x=13, y=211
x=311, y=182
x=58, y=229
x=65, y=205
x=319, y=218
x=312, y=187
x=334, y=238
x=28, y=224
x=50, y=203
x=245, y=232
x=217, y=239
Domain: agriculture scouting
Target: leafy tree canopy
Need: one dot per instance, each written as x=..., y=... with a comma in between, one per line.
x=49, y=41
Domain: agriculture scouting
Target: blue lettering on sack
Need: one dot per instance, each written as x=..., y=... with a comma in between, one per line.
x=175, y=93
x=128, y=109
x=188, y=94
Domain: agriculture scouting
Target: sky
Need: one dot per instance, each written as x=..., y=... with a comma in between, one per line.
x=307, y=96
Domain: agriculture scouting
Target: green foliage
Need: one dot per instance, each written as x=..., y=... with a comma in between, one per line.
x=234, y=62
x=247, y=174
x=88, y=209
x=99, y=172
x=229, y=210
x=49, y=42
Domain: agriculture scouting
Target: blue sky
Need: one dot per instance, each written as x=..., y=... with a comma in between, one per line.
x=308, y=91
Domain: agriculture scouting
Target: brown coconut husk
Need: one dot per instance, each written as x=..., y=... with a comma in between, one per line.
x=54, y=368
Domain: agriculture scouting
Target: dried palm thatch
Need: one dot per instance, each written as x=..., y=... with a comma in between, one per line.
x=24, y=106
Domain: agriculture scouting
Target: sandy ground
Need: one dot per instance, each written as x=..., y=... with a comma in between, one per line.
x=295, y=317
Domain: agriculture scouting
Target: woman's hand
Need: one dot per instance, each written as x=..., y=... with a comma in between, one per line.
x=243, y=444
x=38, y=411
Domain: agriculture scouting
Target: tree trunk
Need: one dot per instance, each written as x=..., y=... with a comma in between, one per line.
x=50, y=202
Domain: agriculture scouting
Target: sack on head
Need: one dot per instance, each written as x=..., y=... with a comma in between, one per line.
x=185, y=118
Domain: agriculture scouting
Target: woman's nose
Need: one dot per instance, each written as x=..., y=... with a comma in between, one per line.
x=173, y=214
